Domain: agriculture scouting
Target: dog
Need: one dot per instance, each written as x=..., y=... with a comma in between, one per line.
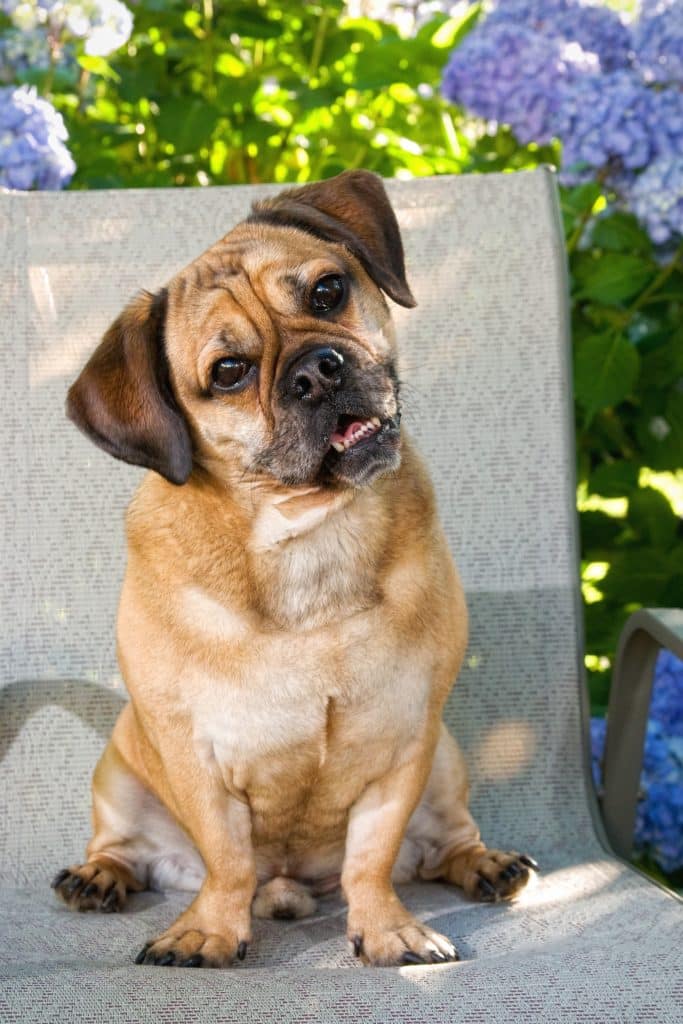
x=291, y=621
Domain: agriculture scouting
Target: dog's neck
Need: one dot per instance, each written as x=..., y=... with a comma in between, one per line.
x=315, y=554
x=286, y=514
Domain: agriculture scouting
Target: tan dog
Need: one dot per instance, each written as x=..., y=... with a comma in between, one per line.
x=288, y=633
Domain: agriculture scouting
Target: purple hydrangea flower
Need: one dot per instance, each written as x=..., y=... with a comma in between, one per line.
x=32, y=137
x=597, y=29
x=658, y=41
x=659, y=816
x=666, y=122
x=604, y=122
x=656, y=198
x=21, y=52
x=512, y=75
x=598, y=732
x=666, y=706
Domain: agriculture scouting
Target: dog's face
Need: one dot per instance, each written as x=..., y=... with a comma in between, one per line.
x=271, y=356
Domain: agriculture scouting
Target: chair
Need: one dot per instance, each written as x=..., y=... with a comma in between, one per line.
x=486, y=361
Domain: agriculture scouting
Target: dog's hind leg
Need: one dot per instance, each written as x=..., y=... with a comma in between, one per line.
x=443, y=842
x=136, y=842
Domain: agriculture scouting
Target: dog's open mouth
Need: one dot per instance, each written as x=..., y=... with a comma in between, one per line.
x=351, y=430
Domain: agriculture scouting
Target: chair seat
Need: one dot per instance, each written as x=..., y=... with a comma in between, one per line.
x=578, y=946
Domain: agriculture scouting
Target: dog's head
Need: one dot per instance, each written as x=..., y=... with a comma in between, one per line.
x=271, y=355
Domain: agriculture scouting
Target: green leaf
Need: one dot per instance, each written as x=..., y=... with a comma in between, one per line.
x=621, y=232
x=99, y=66
x=453, y=30
x=652, y=517
x=641, y=576
x=187, y=124
x=614, y=277
x=613, y=479
x=660, y=431
x=598, y=531
x=605, y=370
x=229, y=65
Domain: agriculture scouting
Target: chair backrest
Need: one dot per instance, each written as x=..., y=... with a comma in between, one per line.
x=487, y=397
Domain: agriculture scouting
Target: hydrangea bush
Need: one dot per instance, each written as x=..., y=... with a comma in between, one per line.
x=190, y=92
x=611, y=91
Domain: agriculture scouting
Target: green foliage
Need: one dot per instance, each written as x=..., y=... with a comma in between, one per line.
x=220, y=93
x=627, y=311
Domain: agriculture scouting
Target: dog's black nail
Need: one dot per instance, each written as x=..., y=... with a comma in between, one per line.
x=59, y=878
x=437, y=958
x=530, y=862
x=241, y=950
x=411, y=958
x=166, y=960
x=487, y=891
x=357, y=945
x=71, y=887
x=110, y=900
x=90, y=889
x=143, y=953
x=196, y=960
x=511, y=871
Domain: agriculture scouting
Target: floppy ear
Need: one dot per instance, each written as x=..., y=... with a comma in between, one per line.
x=352, y=209
x=123, y=400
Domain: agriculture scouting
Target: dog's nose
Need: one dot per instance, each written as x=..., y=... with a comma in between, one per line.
x=315, y=374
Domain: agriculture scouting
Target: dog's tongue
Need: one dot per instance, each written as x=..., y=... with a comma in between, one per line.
x=348, y=431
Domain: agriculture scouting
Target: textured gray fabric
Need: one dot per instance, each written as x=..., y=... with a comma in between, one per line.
x=487, y=397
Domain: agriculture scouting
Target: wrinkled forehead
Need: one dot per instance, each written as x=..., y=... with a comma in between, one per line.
x=253, y=268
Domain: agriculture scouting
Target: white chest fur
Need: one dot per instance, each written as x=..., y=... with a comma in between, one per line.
x=317, y=561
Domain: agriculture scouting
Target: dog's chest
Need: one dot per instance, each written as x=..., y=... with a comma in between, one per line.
x=312, y=714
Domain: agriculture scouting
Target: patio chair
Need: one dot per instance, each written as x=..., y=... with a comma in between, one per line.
x=486, y=361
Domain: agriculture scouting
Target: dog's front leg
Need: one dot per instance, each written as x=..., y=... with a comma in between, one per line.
x=216, y=927
x=380, y=929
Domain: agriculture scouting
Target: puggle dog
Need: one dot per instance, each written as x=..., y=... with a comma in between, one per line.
x=291, y=621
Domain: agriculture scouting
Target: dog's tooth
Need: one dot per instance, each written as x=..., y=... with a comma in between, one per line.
x=375, y=421
x=338, y=446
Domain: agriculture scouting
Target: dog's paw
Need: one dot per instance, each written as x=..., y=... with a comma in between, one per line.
x=491, y=875
x=406, y=942
x=94, y=887
x=193, y=948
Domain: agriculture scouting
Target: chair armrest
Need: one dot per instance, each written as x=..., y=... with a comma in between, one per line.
x=646, y=632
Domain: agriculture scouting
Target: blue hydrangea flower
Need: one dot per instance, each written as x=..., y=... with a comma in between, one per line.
x=656, y=198
x=597, y=29
x=604, y=122
x=659, y=816
x=21, y=52
x=666, y=122
x=598, y=732
x=510, y=74
x=658, y=41
x=32, y=137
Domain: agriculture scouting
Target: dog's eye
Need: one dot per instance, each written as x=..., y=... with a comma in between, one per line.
x=227, y=373
x=327, y=293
